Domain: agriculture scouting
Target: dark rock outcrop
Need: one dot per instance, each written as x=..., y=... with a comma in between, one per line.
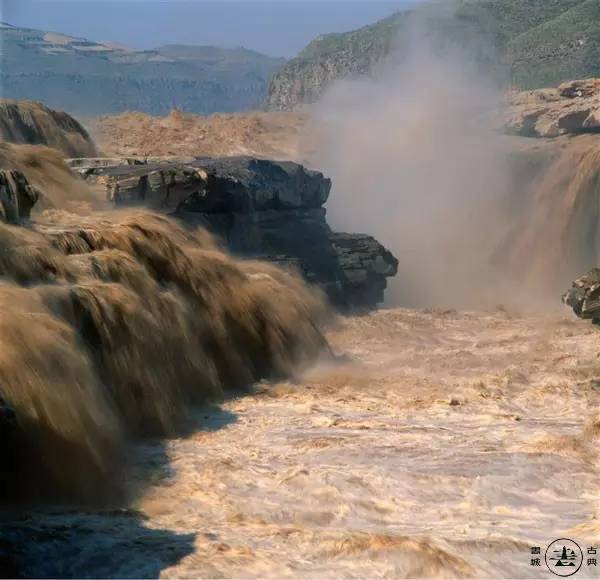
x=10, y=465
x=365, y=266
x=245, y=184
x=584, y=296
x=261, y=209
x=17, y=196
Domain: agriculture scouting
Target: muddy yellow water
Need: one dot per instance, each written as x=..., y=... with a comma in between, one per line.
x=441, y=444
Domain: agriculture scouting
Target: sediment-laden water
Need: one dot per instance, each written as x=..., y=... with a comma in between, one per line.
x=439, y=444
x=112, y=328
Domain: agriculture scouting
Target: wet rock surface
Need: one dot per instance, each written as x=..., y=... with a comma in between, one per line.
x=17, y=196
x=259, y=208
x=9, y=464
x=365, y=265
x=584, y=296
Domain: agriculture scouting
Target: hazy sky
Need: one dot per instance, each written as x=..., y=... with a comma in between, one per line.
x=276, y=27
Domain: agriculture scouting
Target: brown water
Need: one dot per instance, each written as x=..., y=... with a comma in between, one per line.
x=439, y=444
x=112, y=327
x=446, y=444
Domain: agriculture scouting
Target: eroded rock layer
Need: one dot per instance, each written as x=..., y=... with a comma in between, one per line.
x=259, y=208
x=572, y=108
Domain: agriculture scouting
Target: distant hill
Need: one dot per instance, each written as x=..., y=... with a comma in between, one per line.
x=88, y=78
x=532, y=43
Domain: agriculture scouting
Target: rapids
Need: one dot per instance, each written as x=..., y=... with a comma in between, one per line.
x=135, y=354
x=113, y=326
x=438, y=444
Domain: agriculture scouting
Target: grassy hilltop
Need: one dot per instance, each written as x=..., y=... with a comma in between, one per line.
x=536, y=42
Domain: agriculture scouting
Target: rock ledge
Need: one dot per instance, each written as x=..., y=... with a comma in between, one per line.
x=263, y=209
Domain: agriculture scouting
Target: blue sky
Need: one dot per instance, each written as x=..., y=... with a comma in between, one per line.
x=276, y=27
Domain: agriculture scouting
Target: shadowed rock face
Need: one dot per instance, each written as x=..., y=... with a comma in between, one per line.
x=266, y=209
x=365, y=266
x=584, y=296
x=245, y=184
x=10, y=459
x=17, y=196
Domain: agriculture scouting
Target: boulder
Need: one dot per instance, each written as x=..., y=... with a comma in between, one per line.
x=365, y=266
x=584, y=296
x=271, y=210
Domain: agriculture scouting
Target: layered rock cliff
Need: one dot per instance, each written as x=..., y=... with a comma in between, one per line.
x=572, y=108
x=259, y=208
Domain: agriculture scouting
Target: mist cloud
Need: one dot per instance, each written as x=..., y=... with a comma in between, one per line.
x=415, y=163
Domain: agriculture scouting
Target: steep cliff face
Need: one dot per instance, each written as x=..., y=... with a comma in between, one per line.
x=328, y=58
x=260, y=209
x=530, y=43
x=35, y=124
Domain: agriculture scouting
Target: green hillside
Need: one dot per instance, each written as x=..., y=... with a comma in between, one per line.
x=530, y=43
x=563, y=48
